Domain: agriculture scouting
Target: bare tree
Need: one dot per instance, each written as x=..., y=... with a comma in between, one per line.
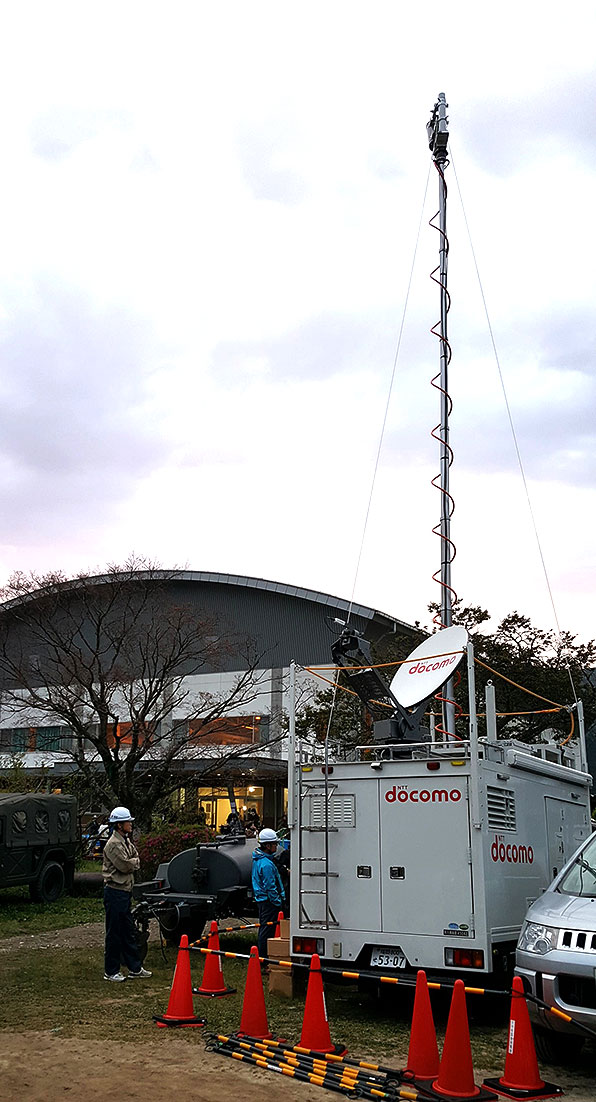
x=110, y=657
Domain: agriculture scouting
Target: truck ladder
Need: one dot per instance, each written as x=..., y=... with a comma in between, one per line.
x=321, y=862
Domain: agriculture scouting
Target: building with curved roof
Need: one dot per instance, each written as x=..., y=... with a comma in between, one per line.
x=282, y=624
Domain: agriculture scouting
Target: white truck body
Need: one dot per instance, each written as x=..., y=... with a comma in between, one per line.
x=426, y=855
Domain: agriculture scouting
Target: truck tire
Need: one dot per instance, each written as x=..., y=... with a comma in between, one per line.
x=49, y=885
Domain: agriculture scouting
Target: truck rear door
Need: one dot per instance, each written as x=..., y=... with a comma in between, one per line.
x=353, y=884
x=426, y=872
x=566, y=827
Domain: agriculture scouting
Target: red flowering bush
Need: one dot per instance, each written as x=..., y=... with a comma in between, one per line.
x=166, y=843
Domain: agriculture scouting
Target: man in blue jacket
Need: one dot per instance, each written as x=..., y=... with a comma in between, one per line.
x=267, y=887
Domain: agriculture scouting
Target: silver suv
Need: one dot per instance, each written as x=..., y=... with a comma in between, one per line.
x=556, y=955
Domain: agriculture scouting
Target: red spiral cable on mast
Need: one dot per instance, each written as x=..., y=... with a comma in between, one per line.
x=448, y=549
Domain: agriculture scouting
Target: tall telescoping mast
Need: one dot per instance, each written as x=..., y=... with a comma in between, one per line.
x=438, y=137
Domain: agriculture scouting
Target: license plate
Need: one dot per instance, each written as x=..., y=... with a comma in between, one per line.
x=383, y=957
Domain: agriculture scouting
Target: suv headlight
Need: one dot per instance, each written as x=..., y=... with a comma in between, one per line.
x=537, y=939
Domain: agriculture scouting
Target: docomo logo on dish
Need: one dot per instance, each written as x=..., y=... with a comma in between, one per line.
x=422, y=795
x=511, y=854
x=424, y=666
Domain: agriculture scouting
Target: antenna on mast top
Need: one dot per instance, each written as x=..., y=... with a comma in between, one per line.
x=436, y=128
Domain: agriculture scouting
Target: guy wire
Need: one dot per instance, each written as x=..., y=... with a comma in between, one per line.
x=387, y=403
x=379, y=447
x=511, y=423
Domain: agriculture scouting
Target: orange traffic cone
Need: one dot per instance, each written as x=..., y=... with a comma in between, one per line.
x=315, y=1026
x=213, y=985
x=253, y=1022
x=521, y=1078
x=456, y=1072
x=180, y=1010
x=423, y=1053
x=279, y=921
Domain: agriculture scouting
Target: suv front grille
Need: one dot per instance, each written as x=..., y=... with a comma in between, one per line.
x=579, y=940
x=578, y=991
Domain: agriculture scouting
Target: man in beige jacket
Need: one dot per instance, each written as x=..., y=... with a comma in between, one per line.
x=120, y=862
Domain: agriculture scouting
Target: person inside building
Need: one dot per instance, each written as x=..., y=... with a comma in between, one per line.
x=120, y=862
x=267, y=887
x=233, y=824
x=252, y=818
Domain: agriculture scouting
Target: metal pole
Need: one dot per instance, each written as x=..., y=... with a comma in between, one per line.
x=473, y=730
x=326, y=800
x=438, y=137
x=582, y=737
x=295, y=801
x=292, y=748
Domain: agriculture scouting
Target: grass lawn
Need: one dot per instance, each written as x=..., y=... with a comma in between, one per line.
x=64, y=990
x=19, y=915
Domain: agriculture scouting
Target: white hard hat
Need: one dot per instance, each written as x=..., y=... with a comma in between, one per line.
x=121, y=815
x=268, y=835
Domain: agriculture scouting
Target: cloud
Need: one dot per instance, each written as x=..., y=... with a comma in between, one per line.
x=57, y=132
x=267, y=164
x=547, y=363
x=322, y=346
x=504, y=135
x=77, y=424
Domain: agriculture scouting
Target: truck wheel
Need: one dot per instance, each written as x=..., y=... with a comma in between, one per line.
x=556, y=1048
x=49, y=885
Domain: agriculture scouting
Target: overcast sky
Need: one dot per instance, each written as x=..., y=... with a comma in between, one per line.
x=209, y=217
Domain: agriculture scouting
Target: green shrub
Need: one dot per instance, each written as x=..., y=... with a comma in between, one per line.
x=164, y=844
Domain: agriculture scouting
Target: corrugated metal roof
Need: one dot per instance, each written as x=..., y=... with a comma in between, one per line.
x=254, y=583
x=285, y=622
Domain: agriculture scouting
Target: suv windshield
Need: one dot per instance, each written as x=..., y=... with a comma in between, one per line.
x=581, y=878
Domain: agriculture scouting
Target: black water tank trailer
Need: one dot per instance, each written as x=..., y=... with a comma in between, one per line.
x=210, y=881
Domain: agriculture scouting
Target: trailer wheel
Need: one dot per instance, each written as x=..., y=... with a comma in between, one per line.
x=173, y=924
x=142, y=939
x=49, y=885
x=556, y=1048
x=191, y=929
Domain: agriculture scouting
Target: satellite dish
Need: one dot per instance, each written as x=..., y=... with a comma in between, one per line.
x=429, y=666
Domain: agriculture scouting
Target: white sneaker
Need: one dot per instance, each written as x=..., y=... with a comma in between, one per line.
x=143, y=974
x=116, y=978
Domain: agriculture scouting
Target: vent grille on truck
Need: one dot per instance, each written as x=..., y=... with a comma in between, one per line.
x=342, y=811
x=501, y=808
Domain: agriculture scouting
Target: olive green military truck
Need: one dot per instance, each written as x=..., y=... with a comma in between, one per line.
x=38, y=843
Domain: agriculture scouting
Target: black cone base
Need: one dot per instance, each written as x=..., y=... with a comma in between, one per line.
x=549, y=1090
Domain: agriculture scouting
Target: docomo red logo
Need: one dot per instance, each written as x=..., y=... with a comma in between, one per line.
x=439, y=664
x=422, y=795
x=511, y=854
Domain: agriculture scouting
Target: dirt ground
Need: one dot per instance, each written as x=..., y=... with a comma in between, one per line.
x=43, y=1066
x=86, y=936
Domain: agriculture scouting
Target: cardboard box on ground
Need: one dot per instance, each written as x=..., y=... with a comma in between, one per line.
x=281, y=981
x=278, y=948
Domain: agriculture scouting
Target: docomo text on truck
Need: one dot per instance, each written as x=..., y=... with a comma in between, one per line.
x=420, y=851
